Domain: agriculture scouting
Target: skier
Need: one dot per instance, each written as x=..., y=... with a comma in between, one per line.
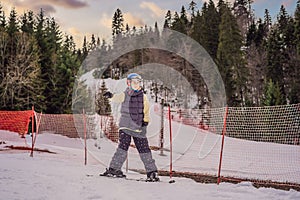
x=133, y=124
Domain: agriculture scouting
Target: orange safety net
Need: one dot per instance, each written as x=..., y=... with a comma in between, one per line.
x=15, y=121
x=64, y=124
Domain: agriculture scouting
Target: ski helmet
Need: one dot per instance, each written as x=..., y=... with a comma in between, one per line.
x=134, y=81
x=134, y=76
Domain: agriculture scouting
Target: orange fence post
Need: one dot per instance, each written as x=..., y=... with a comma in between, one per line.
x=84, y=132
x=32, y=132
x=171, y=149
x=222, y=145
x=37, y=125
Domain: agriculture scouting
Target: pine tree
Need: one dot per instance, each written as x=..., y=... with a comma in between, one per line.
x=242, y=12
x=210, y=29
x=231, y=59
x=27, y=23
x=98, y=42
x=275, y=59
x=196, y=29
x=294, y=95
x=267, y=22
x=175, y=21
x=49, y=40
x=156, y=30
x=256, y=61
x=127, y=30
x=12, y=30
x=192, y=8
x=92, y=43
x=291, y=64
x=180, y=22
x=66, y=70
x=177, y=24
x=272, y=94
x=297, y=27
x=168, y=19
x=261, y=34
x=4, y=57
x=285, y=28
x=222, y=6
x=72, y=45
x=3, y=52
x=12, y=26
x=2, y=18
x=256, y=34
x=104, y=45
x=183, y=18
x=251, y=34
x=85, y=50
x=117, y=23
x=102, y=103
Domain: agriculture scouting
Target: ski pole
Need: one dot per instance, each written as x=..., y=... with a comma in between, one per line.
x=171, y=148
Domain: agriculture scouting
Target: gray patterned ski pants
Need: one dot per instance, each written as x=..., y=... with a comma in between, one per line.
x=142, y=146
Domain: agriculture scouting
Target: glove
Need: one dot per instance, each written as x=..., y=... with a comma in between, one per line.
x=145, y=124
x=108, y=94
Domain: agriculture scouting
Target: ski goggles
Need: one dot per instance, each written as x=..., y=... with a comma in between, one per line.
x=136, y=81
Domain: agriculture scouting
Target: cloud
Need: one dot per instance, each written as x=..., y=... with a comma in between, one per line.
x=36, y=8
x=105, y=21
x=47, y=5
x=132, y=20
x=74, y=31
x=155, y=10
x=287, y=3
x=72, y=4
x=77, y=35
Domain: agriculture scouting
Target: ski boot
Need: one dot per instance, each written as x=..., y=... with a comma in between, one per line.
x=110, y=172
x=152, y=177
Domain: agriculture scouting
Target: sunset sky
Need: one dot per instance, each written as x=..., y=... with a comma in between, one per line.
x=85, y=17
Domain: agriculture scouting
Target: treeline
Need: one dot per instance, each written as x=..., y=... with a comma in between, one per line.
x=259, y=60
x=38, y=64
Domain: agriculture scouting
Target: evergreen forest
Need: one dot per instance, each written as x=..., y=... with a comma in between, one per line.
x=258, y=58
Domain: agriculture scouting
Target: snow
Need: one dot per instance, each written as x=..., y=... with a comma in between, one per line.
x=63, y=175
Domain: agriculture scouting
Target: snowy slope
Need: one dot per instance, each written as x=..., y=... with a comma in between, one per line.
x=63, y=176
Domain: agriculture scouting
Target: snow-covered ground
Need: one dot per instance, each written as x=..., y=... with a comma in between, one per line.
x=63, y=176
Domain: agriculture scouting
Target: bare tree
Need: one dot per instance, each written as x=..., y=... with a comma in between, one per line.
x=20, y=83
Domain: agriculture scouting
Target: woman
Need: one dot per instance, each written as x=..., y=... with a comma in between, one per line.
x=133, y=124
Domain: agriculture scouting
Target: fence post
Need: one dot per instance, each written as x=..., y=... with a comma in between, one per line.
x=32, y=132
x=171, y=148
x=84, y=132
x=222, y=145
x=162, y=129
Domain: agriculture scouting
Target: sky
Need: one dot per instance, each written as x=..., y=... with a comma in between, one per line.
x=81, y=18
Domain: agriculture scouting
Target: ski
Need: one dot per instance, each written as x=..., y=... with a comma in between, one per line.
x=125, y=178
